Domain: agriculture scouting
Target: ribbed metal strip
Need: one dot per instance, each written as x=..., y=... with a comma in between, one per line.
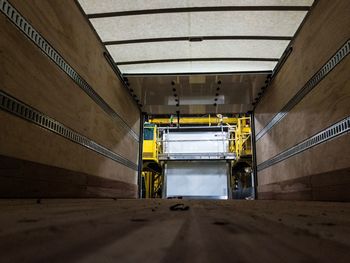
x=15, y=107
x=312, y=83
x=39, y=40
x=337, y=129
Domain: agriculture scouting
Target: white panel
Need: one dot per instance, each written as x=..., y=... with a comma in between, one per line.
x=196, y=179
x=103, y=6
x=195, y=142
x=198, y=66
x=255, y=23
x=204, y=49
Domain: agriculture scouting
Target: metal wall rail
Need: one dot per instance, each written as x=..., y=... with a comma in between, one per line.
x=340, y=128
x=312, y=83
x=20, y=109
x=21, y=23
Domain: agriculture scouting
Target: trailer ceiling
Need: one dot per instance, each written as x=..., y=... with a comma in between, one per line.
x=167, y=37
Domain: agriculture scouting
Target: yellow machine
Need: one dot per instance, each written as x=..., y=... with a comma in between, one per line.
x=240, y=144
x=241, y=139
x=152, y=171
x=150, y=144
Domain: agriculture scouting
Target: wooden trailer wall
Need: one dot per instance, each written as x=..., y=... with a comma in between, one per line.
x=68, y=129
x=310, y=93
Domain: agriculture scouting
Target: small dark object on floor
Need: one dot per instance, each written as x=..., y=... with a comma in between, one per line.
x=302, y=215
x=328, y=224
x=138, y=220
x=220, y=223
x=179, y=207
x=38, y=201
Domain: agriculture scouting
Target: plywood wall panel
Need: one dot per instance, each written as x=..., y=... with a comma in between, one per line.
x=65, y=27
x=23, y=140
x=318, y=173
x=326, y=29
x=42, y=84
x=326, y=104
x=328, y=157
x=21, y=179
x=329, y=186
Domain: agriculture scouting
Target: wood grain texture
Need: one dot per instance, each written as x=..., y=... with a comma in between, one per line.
x=59, y=167
x=23, y=140
x=30, y=76
x=66, y=29
x=25, y=179
x=330, y=159
x=322, y=107
x=302, y=177
x=329, y=186
x=147, y=231
x=325, y=31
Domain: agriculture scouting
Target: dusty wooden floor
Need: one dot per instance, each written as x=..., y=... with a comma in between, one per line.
x=148, y=231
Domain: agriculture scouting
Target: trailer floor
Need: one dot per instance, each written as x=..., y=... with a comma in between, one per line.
x=93, y=230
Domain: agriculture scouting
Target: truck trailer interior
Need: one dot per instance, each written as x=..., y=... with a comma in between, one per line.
x=174, y=131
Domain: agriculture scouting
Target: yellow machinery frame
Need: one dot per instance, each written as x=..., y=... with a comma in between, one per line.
x=240, y=144
x=240, y=140
x=210, y=120
x=151, y=177
x=150, y=143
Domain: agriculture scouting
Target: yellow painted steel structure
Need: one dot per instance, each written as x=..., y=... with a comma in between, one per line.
x=151, y=177
x=150, y=143
x=210, y=120
x=241, y=138
x=240, y=144
x=153, y=184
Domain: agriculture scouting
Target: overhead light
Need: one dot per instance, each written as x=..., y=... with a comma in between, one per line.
x=197, y=79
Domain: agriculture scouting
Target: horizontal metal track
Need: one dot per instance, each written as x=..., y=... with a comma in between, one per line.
x=312, y=83
x=18, y=108
x=193, y=59
x=22, y=24
x=199, y=9
x=340, y=128
x=195, y=39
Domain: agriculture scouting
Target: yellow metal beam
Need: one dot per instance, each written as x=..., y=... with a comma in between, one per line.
x=210, y=120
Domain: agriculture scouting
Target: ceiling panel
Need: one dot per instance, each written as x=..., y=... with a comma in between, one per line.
x=196, y=56
x=204, y=49
x=236, y=23
x=198, y=67
x=103, y=6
